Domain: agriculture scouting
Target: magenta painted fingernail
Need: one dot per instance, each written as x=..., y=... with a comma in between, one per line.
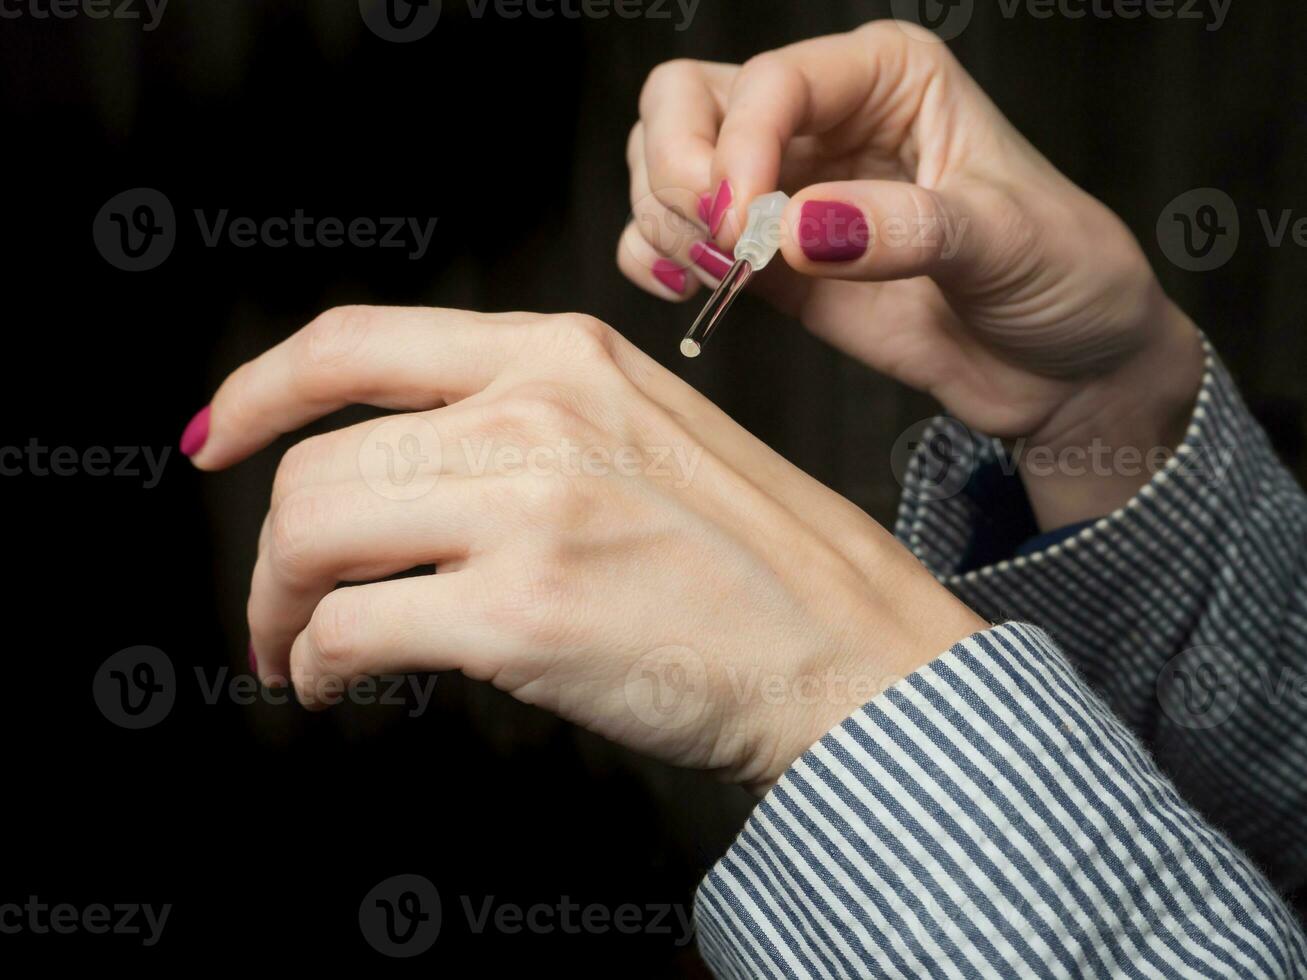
x=832, y=231
x=253, y=661
x=197, y=432
x=720, y=205
x=670, y=275
x=710, y=259
x=705, y=208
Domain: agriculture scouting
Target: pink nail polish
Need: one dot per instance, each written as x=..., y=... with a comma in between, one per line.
x=253, y=661
x=710, y=259
x=720, y=205
x=831, y=231
x=705, y=208
x=670, y=275
x=197, y=433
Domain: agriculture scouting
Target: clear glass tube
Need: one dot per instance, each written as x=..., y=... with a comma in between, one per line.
x=731, y=286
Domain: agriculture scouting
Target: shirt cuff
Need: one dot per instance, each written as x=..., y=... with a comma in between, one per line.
x=986, y=816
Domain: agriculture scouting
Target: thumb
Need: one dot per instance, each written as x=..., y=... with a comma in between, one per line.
x=877, y=230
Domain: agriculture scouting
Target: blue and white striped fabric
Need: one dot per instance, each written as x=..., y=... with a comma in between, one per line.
x=997, y=814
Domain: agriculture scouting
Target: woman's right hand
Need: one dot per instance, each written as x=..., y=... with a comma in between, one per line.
x=926, y=237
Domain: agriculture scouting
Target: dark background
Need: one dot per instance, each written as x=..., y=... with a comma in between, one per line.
x=265, y=826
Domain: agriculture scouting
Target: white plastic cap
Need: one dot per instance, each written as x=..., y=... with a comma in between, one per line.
x=762, y=235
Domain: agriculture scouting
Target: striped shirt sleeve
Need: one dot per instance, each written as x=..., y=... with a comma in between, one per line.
x=988, y=816
x=1186, y=611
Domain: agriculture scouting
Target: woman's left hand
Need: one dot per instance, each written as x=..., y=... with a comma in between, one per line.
x=610, y=545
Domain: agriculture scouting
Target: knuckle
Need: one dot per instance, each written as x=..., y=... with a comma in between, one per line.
x=649, y=217
x=669, y=179
x=902, y=39
x=293, y=470
x=535, y=412
x=889, y=29
x=662, y=75
x=336, y=334
x=552, y=501
x=582, y=337
x=334, y=631
x=291, y=536
x=930, y=219
x=768, y=66
x=534, y=607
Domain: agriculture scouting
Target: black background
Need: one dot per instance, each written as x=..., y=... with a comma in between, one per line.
x=264, y=826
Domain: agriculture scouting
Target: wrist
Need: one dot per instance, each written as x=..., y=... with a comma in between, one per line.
x=1115, y=432
x=890, y=639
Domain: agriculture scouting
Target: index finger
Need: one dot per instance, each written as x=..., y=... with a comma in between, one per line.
x=391, y=357
x=812, y=88
x=681, y=109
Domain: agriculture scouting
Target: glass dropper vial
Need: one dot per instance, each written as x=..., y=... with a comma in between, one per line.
x=755, y=249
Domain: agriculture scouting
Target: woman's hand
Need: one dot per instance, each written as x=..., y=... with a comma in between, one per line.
x=927, y=238
x=610, y=546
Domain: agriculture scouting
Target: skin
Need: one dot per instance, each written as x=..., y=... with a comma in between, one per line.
x=720, y=613
x=992, y=282
x=610, y=545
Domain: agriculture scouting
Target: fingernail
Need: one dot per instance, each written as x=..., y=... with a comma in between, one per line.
x=832, y=231
x=197, y=432
x=253, y=661
x=710, y=259
x=721, y=203
x=670, y=275
x=705, y=208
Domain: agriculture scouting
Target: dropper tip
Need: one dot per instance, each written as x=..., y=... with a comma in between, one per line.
x=691, y=348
